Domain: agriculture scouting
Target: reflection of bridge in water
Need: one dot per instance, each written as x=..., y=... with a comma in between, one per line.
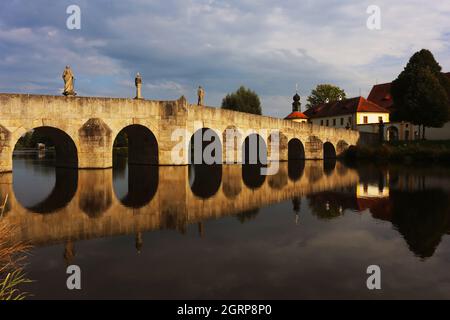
x=166, y=197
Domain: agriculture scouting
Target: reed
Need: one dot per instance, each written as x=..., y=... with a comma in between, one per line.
x=12, y=256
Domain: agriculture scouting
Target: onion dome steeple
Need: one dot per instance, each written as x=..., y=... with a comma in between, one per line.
x=296, y=104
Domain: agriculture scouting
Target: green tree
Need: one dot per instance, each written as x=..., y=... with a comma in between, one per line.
x=244, y=100
x=421, y=93
x=121, y=140
x=323, y=92
x=32, y=138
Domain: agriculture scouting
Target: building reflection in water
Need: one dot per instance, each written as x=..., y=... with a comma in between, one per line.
x=83, y=204
x=419, y=210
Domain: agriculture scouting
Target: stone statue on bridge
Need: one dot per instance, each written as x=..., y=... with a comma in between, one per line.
x=138, y=84
x=68, y=82
x=201, y=96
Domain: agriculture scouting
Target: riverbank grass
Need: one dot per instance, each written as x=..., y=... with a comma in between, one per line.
x=403, y=151
x=12, y=274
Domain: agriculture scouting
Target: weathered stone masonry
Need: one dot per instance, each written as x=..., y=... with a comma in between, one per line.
x=84, y=128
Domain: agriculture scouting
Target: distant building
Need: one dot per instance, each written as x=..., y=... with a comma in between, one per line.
x=381, y=95
x=296, y=115
x=347, y=113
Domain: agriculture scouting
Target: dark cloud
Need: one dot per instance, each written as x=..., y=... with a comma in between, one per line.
x=178, y=44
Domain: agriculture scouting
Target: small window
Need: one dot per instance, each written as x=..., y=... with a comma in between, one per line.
x=334, y=122
x=342, y=121
x=366, y=120
x=321, y=122
x=328, y=123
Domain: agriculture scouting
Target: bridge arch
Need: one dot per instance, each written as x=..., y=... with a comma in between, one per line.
x=296, y=150
x=329, y=152
x=205, y=147
x=66, y=152
x=392, y=133
x=254, y=150
x=141, y=142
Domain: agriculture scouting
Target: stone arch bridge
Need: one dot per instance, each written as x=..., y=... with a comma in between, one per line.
x=83, y=129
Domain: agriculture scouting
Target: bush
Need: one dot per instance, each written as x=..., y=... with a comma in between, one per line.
x=402, y=151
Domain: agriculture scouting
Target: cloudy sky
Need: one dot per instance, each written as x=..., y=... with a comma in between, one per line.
x=176, y=45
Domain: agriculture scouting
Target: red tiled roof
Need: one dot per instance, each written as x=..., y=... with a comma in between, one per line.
x=381, y=94
x=347, y=106
x=296, y=115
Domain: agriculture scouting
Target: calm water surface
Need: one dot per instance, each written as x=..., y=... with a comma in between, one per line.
x=225, y=232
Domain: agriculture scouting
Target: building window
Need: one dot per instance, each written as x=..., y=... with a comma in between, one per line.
x=327, y=123
x=321, y=122
x=342, y=121
x=366, y=120
x=334, y=122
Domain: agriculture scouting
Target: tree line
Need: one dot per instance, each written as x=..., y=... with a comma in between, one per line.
x=420, y=93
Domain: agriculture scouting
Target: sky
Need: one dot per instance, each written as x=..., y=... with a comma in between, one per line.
x=177, y=45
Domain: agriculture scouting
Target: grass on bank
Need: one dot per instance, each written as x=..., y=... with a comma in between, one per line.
x=403, y=151
x=12, y=274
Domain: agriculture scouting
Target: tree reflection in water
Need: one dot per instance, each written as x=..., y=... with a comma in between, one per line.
x=422, y=217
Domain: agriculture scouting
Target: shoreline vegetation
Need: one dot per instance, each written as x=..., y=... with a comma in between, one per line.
x=12, y=273
x=402, y=151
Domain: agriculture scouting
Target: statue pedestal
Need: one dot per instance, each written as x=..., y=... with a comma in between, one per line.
x=70, y=94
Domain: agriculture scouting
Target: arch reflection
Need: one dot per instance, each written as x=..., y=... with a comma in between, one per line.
x=142, y=185
x=205, y=180
x=296, y=169
x=252, y=177
x=329, y=165
x=63, y=191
